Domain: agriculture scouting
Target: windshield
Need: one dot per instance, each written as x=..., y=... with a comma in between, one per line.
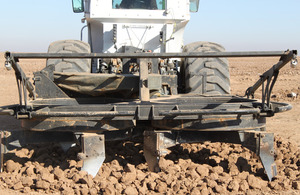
x=139, y=4
x=194, y=5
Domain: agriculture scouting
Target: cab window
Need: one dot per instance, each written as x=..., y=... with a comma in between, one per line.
x=139, y=4
x=78, y=6
x=194, y=5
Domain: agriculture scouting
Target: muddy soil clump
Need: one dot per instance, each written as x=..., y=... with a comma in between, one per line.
x=206, y=168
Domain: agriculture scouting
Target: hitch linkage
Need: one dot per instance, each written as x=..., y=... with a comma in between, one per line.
x=270, y=76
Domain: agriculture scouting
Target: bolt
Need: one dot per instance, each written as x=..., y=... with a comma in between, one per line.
x=8, y=65
x=294, y=63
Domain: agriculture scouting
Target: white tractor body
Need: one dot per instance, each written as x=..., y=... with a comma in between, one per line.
x=115, y=27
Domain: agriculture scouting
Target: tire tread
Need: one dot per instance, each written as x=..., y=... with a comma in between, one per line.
x=215, y=69
x=70, y=65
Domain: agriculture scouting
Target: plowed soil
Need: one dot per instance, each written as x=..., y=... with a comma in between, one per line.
x=204, y=168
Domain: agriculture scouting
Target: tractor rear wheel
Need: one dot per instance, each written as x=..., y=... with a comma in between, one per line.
x=206, y=75
x=70, y=65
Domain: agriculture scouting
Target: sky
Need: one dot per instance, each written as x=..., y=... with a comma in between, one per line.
x=238, y=25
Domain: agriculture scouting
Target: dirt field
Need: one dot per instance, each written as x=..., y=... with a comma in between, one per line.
x=130, y=176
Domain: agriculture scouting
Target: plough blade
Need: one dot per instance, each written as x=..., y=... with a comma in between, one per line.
x=93, y=155
x=261, y=143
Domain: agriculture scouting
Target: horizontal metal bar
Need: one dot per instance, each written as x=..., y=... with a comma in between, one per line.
x=7, y=112
x=82, y=114
x=210, y=112
x=148, y=55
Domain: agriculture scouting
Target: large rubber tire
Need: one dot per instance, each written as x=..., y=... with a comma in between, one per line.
x=70, y=65
x=206, y=75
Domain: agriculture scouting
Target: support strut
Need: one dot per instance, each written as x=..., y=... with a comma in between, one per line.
x=155, y=146
x=262, y=143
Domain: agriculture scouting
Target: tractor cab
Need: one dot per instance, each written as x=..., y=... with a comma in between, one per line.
x=120, y=26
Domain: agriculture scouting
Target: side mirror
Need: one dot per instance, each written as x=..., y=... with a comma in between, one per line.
x=194, y=5
x=78, y=6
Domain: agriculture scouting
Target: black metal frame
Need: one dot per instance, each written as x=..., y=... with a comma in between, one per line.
x=270, y=76
x=192, y=118
x=151, y=55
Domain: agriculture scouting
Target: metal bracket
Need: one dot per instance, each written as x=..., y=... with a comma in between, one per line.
x=271, y=77
x=23, y=82
x=23, y=111
x=143, y=85
x=93, y=155
x=262, y=143
x=155, y=146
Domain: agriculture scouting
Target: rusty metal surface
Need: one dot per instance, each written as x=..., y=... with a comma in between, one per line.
x=210, y=112
x=213, y=123
x=76, y=124
x=181, y=113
